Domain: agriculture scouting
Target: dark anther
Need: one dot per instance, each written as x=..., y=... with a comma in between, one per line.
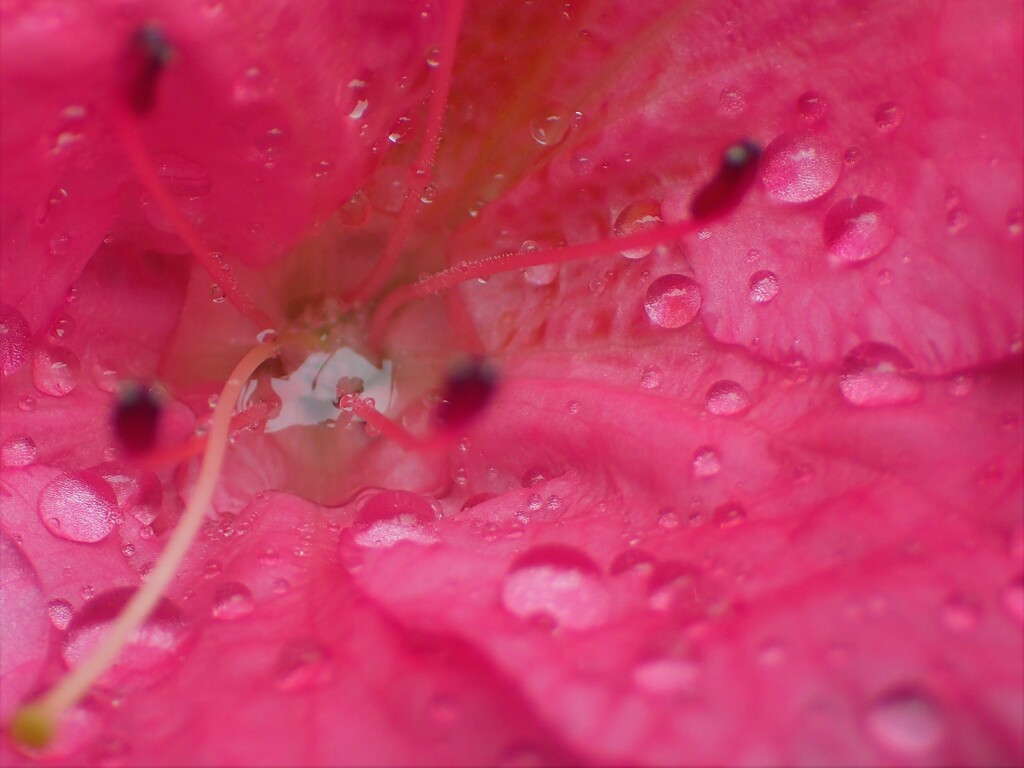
x=137, y=418
x=724, y=192
x=149, y=55
x=466, y=393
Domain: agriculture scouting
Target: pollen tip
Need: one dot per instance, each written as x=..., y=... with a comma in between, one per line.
x=726, y=189
x=467, y=391
x=136, y=419
x=149, y=55
x=33, y=726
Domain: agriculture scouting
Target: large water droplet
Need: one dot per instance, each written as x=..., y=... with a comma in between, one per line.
x=641, y=216
x=799, y=167
x=858, y=228
x=149, y=653
x=138, y=490
x=877, y=374
x=301, y=665
x=232, y=600
x=673, y=301
x=55, y=371
x=559, y=583
x=17, y=451
x=726, y=398
x=764, y=285
x=14, y=340
x=706, y=462
x=78, y=506
x=550, y=126
x=393, y=516
x=906, y=720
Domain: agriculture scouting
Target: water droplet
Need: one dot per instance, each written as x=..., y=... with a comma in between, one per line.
x=302, y=665
x=726, y=398
x=78, y=506
x=905, y=720
x=231, y=600
x=401, y=130
x=1013, y=600
x=799, y=167
x=434, y=57
x=852, y=156
x=956, y=220
x=550, y=127
x=354, y=212
x=651, y=377
x=673, y=586
x=706, y=462
x=183, y=177
x=1015, y=222
x=17, y=451
x=271, y=143
x=668, y=518
x=391, y=517
x=888, y=116
x=632, y=561
x=149, y=653
x=812, y=106
x=559, y=583
x=673, y=301
x=641, y=216
x=729, y=515
x=266, y=336
x=732, y=101
x=858, y=228
x=876, y=374
x=60, y=612
x=55, y=371
x=27, y=404
x=764, y=285
x=667, y=677
x=960, y=613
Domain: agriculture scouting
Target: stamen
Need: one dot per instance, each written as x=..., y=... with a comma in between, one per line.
x=136, y=418
x=467, y=392
x=377, y=421
x=149, y=55
x=35, y=723
x=725, y=191
x=420, y=173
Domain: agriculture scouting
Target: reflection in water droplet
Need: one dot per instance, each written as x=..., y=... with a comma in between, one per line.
x=302, y=665
x=858, y=228
x=60, y=612
x=799, y=167
x=55, y=371
x=148, y=655
x=550, y=127
x=641, y=216
x=888, y=116
x=78, y=506
x=726, y=398
x=17, y=451
x=876, y=374
x=390, y=517
x=667, y=677
x=14, y=340
x=706, y=462
x=560, y=583
x=906, y=720
x=673, y=301
x=764, y=285
x=232, y=600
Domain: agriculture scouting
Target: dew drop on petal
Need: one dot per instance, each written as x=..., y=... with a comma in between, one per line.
x=78, y=506
x=231, y=600
x=812, y=106
x=674, y=586
x=889, y=116
x=17, y=451
x=60, y=612
x=905, y=720
x=550, y=127
x=138, y=490
x=729, y=515
x=14, y=340
x=876, y=374
x=55, y=371
x=650, y=378
x=641, y=216
x=301, y=665
x=764, y=285
x=706, y=462
x=149, y=654
x=726, y=398
x=391, y=517
x=673, y=301
x=858, y=228
x=559, y=583
x=800, y=167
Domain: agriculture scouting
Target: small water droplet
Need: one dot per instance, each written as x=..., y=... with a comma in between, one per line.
x=729, y=515
x=18, y=451
x=573, y=407
x=354, y=212
x=957, y=220
x=812, y=106
x=651, y=377
x=764, y=285
x=266, y=336
x=433, y=57
x=889, y=116
x=550, y=127
x=726, y=398
x=271, y=143
x=732, y=101
x=858, y=228
x=217, y=294
x=673, y=301
x=231, y=600
x=800, y=167
x=401, y=130
x=706, y=462
x=391, y=517
x=906, y=720
x=559, y=583
x=641, y=216
x=149, y=653
x=61, y=328
x=78, y=506
x=55, y=371
x=852, y=156
x=876, y=374
x=60, y=612
x=302, y=665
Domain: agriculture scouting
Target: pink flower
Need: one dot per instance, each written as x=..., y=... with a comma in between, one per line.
x=751, y=494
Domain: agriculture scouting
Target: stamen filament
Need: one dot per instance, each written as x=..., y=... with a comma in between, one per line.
x=392, y=430
x=141, y=164
x=421, y=171
x=35, y=723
